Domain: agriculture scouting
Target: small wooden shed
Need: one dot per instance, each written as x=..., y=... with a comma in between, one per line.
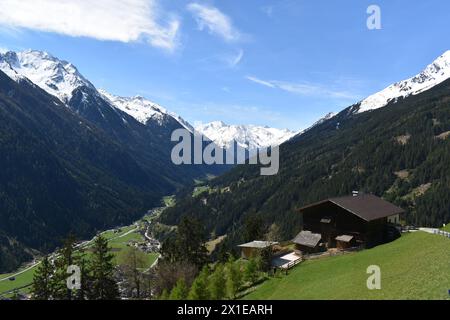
x=308, y=242
x=345, y=242
x=252, y=249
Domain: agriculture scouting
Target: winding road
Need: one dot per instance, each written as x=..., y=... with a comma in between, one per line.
x=81, y=245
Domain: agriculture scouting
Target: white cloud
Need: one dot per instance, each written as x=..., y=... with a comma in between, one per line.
x=306, y=89
x=115, y=20
x=261, y=82
x=233, y=61
x=215, y=21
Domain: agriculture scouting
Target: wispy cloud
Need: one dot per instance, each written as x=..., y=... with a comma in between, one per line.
x=214, y=20
x=306, y=89
x=116, y=20
x=233, y=61
x=228, y=60
x=261, y=82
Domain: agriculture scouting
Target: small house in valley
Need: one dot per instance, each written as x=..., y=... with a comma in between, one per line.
x=345, y=222
x=254, y=248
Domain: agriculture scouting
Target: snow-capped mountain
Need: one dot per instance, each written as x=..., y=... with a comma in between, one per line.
x=61, y=79
x=247, y=136
x=57, y=77
x=328, y=116
x=434, y=74
x=143, y=110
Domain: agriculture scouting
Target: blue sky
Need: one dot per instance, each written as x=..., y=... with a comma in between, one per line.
x=281, y=63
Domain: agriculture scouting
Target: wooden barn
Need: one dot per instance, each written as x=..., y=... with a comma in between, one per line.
x=351, y=221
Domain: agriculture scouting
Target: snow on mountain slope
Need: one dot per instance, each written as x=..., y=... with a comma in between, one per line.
x=328, y=116
x=253, y=137
x=57, y=77
x=434, y=74
x=60, y=78
x=6, y=68
x=143, y=110
x=247, y=136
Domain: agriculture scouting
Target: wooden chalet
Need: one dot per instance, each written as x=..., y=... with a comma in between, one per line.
x=351, y=221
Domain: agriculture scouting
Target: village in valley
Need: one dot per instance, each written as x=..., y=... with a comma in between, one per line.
x=121, y=240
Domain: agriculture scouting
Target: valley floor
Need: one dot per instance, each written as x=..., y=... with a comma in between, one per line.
x=118, y=240
x=416, y=266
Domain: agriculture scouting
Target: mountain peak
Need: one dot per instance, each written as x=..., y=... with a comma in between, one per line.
x=218, y=124
x=247, y=136
x=445, y=56
x=435, y=73
x=38, y=53
x=142, y=109
x=139, y=108
x=58, y=77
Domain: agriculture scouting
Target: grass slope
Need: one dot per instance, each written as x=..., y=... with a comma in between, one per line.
x=21, y=280
x=417, y=266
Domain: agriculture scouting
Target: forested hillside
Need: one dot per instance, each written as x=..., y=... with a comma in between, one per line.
x=400, y=152
x=60, y=173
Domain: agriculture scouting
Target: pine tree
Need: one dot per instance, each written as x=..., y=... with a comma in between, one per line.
x=180, y=291
x=59, y=279
x=217, y=284
x=253, y=228
x=188, y=245
x=234, y=279
x=199, y=288
x=192, y=238
x=86, y=280
x=265, y=259
x=251, y=271
x=42, y=287
x=104, y=286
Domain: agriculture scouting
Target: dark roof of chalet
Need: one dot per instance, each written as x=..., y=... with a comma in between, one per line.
x=308, y=239
x=368, y=207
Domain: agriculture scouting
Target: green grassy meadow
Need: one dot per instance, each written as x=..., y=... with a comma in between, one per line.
x=416, y=266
